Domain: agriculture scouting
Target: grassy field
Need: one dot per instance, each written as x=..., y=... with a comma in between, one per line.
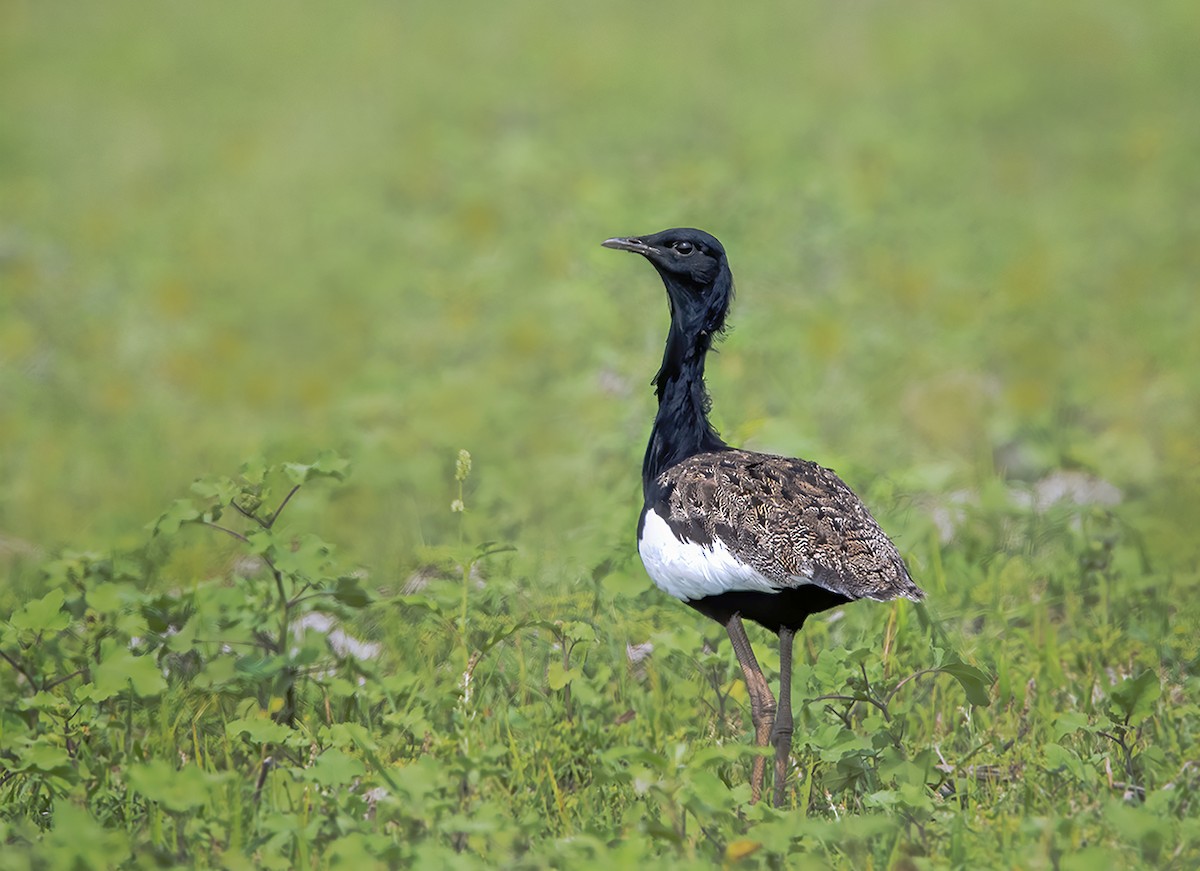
x=274, y=245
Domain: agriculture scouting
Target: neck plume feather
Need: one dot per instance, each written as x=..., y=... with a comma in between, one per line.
x=681, y=427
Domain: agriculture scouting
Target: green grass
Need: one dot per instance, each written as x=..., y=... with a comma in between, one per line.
x=964, y=240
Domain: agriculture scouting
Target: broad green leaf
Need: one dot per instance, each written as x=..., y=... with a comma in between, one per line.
x=220, y=489
x=43, y=615
x=218, y=672
x=558, y=677
x=45, y=758
x=177, y=790
x=44, y=701
x=973, y=681
x=120, y=670
x=1137, y=826
x=297, y=473
x=261, y=668
x=722, y=753
x=577, y=630
x=78, y=840
x=181, y=511
x=1059, y=758
x=306, y=555
x=335, y=767
x=327, y=465
x=349, y=735
x=1068, y=722
x=1133, y=699
x=708, y=790
x=254, y=471
x=861, y=655
x=349, y=591
x=261, y=541
x=109, y=597
x=260, y=730
x=885, y=798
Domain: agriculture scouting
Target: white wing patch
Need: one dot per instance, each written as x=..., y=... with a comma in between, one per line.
x=690, y=571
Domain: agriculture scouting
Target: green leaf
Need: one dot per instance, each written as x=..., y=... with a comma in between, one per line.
x=1136, y=825
x=334, y=768
x=884, y=798
x=327, y=465
x=351, y=593
x=307, y=556
x=861, y=655
x=707, y=790
x=419, y=602
x=1059, y=758
x=219, y=489
x=44, y=701
x=577, y=630
x=120, y=670
x=973, y=681
x=349, y=735
x=176, y=790
x=724, y=753
x=558, y=677
x=181, y=511
x=254, y=471
x=109, y=597
x=1133, y=699
x=261, y=541
x=43, y=615
x=260, y=730
x=78, y=840
x=1068, y=722
x=45, y=758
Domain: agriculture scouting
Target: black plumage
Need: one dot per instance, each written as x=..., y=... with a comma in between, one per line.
x=740, y=534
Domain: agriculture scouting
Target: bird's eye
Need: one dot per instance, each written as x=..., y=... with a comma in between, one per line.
x=684, y=248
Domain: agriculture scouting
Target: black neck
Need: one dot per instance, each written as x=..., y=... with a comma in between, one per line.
x=681, y=428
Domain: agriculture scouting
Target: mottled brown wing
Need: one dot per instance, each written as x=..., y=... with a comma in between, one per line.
x=794, y=521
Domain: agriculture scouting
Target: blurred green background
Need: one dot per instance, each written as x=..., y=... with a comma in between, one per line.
x=964, y=238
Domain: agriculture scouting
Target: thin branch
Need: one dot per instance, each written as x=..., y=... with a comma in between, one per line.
x=279, y=587
x=282, y=505
x=867, y=699
x=266, y=766
x=60, y=680
x=844, y=716
x=317, y=595
x=20, y=668
x=265, y=640
x=219, y=528
x=249, y=515
x=913, y=676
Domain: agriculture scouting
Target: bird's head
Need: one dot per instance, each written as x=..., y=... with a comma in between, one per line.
x=694, y=269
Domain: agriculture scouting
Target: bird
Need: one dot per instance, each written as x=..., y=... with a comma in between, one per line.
x=740, y=535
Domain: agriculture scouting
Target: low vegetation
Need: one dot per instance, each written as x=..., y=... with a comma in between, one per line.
x=411, y=629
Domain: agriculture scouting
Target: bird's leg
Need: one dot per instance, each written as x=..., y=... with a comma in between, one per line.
x=762, y=703
x=781, y=735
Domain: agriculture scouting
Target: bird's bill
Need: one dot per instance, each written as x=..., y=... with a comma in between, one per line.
x=629, y=243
